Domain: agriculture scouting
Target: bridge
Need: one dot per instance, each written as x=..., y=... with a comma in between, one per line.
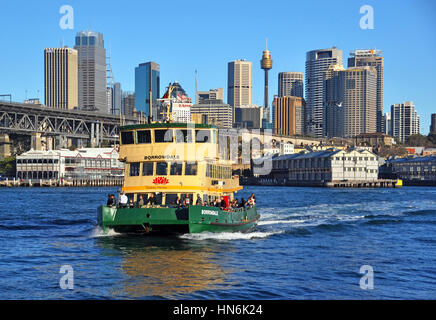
x=39, y=121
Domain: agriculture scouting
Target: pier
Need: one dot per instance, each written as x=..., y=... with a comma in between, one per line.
x=61, y=182
x=380, y=183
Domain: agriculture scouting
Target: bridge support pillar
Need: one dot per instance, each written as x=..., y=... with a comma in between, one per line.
x=5, y=146
x=35, y=141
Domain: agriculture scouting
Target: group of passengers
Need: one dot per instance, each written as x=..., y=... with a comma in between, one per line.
x=124, y=202
x=221, y=203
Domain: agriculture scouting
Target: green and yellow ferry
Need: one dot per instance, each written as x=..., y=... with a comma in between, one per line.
x=169, y=161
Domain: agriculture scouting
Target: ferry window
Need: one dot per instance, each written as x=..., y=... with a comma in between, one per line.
x=176, y=169
x=170, y=198
x=183, y=136
x=143, y=136
x=161, y=168
x=163, y=136
x=147, y=168
x=127, y=137
x=134, y=169
x=202, y=136
x=191, y=169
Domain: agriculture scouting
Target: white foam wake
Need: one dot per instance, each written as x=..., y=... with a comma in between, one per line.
x=98, y=233
x=268, y=222
x=225, y=236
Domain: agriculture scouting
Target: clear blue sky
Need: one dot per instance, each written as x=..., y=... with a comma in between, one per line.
x=205, y=35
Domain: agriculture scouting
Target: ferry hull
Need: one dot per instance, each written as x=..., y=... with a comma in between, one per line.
x=194, y=219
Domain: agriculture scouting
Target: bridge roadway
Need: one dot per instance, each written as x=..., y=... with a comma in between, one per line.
x=21, y=118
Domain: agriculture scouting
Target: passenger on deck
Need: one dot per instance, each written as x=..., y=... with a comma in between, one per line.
x=152, y=200
x=198, y=202
x=242, y=204
x=216, y=203
x=110, y=200
x=140, y=202
x=123, y=200
x=187, y=201
x=177, y=202
x=131, y=203
x=223, y=203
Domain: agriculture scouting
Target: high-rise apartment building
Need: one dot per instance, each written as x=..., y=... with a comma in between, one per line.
x=350, y=101
x=433, y=123
x=371, y=58
x=291, y=84
x=147, y=83
x=239, y=83
x=92, y=71
x=317, y=62
x=60, y=78
x=405, y=120
x=288, y=116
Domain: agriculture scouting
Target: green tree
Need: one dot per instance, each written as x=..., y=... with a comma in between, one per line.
x=417, y=140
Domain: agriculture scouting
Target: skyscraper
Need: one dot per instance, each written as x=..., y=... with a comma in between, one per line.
x=371, y=58
x=405, y=120
x=239, y=83
x=317, y=62
x=92, y=71
x=60, y=78
x=116, y=99
x=291, y=84
x=147, y=78
x=350, y=101
x=288, y=115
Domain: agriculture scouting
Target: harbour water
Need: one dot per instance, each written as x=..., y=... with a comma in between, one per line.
x=310, y=244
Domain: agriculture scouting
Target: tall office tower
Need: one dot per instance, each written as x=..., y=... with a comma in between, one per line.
x=239, y=83
x=350, y=101
x=371, y=58
x=60, y=78
x=317, y=62
x=288, y=116
x=333, y=102
x=433, y=123
x=291, y=84
x=92, y=71
x=405, y=120
x=116, y=98
x=387, y=123
x=212, y=94
x=147, y=86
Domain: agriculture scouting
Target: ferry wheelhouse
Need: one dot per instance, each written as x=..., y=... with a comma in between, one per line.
x=166, y=162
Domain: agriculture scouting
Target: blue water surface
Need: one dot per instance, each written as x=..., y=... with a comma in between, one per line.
x=310, y=244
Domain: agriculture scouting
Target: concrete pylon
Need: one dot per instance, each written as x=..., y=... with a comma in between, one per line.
x=5, y=146
x=35, y=141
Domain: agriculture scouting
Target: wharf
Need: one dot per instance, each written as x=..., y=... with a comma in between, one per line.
x=61, y=182
x=380, y=183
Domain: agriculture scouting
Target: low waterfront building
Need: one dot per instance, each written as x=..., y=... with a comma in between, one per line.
x=413, y=171
x=86, y=163
x=326, y=166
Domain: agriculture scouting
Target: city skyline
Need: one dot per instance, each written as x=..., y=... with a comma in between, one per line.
x=210, y=56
